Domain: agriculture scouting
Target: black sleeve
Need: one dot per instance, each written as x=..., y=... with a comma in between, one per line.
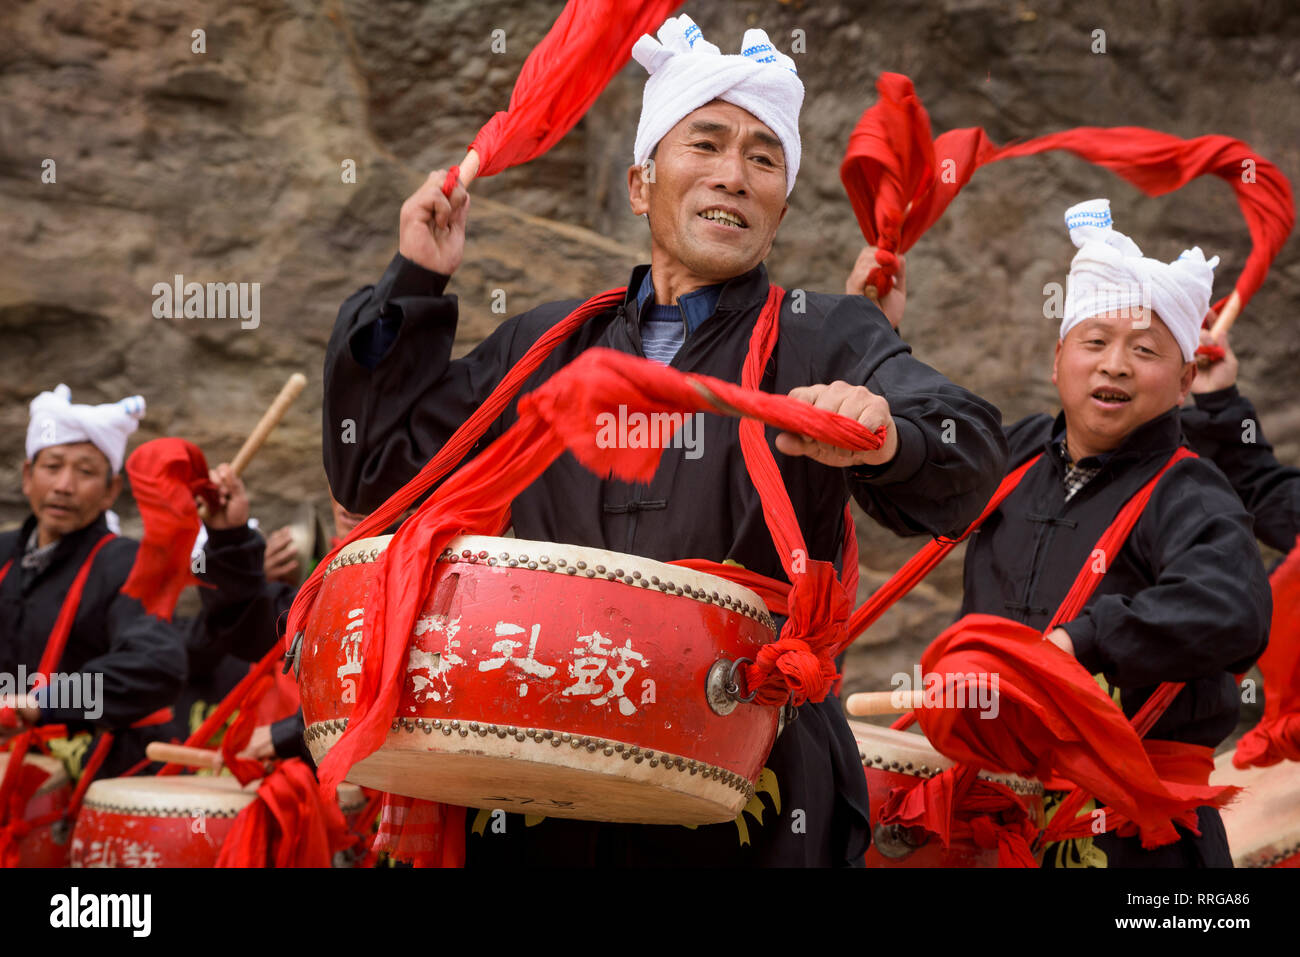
x=242, y=611
x=951, y=450
x=381, y=424
x=287, y=738
x=143, y=668
x=1224, y=427
x=1209, y=608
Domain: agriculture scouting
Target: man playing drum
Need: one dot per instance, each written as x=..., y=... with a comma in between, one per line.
x=1186, y=599
x=717, y=152
x=123, y=663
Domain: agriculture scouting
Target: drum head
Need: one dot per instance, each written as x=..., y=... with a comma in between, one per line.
x=1263, y=824
x=58, y=775
x=173, y=796
x=570, y=776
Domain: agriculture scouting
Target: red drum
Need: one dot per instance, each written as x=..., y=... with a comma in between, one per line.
x=894, y=759
x=45, y=845
x=553, y=680
x=1263, y=824
x=179, y=821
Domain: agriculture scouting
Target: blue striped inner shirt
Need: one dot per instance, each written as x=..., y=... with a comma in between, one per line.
x=664, y=328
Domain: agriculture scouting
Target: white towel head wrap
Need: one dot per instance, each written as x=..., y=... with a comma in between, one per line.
x=1109, y=273
x=56, y=421
x=687, y=72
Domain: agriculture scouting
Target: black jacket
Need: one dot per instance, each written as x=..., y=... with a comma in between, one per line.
x=242, y=618
x=951, y=454
x=140, y=657
x=1186, y=599
x=1224, y=426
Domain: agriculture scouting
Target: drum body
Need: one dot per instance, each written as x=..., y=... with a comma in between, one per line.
x=45, y=845
x=1263, y=824
x=552, y=680
x=901, y=759
x=174, y=821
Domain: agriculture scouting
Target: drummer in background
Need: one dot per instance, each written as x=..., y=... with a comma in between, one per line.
x=252, y=584
x=125, y=663
x=1222, y=426
x=1187, y=598
x=717, y=152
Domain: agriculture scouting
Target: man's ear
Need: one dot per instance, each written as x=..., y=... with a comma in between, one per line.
x=638, y=188
x=27, y=479
x=1185, y=381
x=784, y=209
x=1056, y=361
x=111, y=493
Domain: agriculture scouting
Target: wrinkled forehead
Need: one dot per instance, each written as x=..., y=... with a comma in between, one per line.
x=721, y=118
x=1130, y=322
x=75, y=452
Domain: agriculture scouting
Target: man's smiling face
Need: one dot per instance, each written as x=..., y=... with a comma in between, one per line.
x=718, y=193
x=1115, y=373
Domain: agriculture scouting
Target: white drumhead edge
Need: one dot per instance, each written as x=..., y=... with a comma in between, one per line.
x=58, y=774
x=906, y=746
x=577, y=553
x=193, y=791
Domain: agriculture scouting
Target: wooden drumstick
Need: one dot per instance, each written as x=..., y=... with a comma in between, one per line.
x=183, y=754
x=270, y=419
x=884, y=702
x=1227, y=316
x=469, y=167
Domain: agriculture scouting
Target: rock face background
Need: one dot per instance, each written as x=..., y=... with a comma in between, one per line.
x=226, y=165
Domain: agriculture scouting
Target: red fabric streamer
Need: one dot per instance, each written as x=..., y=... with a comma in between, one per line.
x=589, y=42
x=21, y=782
x=1277, y=736
x=422, y=833
x=240, y=732
x=900, y=183
x=289, y=824
x=1054, y=722
x=957, y=805
x=166, y=475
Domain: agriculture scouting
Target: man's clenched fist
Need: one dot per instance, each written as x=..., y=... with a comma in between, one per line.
x=432, y=230
x=854, y=401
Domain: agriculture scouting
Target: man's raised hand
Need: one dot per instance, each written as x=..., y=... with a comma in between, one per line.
x=857, y=402
x=232, y=500
x=891, y=305
x=432, y=229
x=1217, y=375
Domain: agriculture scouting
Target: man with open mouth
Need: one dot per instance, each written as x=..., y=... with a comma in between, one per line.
x=1186, y=598
x=716, y=155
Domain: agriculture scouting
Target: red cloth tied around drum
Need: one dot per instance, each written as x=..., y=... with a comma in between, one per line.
x=1277, y=736
x=589, y=42
x=19, y=783
x=290, y=824
x=22, y=782
x=900, y=181
x=958, y=805
x=166, y=474
x=566, y=412
x=1056, y=724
